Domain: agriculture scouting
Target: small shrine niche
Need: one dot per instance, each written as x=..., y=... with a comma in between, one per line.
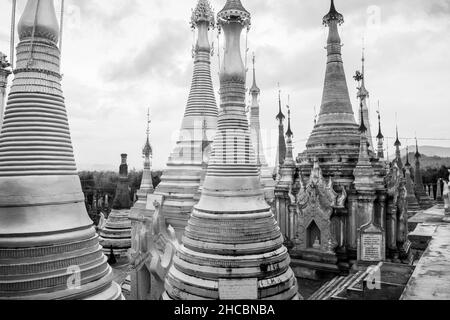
x=313, y=236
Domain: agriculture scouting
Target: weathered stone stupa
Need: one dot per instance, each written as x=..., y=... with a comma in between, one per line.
x=116, y=235
x=181, y=180
x=335, y=139
x=255, y=127
x=47, y=241
x=422, y=197
x=4, y=74
x=232, y=248
x=341, y=192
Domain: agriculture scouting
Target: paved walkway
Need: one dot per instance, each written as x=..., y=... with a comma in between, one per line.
x=431, y=278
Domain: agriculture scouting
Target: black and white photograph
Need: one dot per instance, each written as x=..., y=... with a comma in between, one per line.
x=224, y=150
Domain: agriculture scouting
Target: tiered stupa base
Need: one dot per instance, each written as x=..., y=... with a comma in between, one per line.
x=117, y=235
x=207, y=256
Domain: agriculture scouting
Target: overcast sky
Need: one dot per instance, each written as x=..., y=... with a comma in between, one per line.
x=122, y=56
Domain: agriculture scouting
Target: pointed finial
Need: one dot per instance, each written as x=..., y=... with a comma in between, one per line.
x=333, y=15
x=397, y=141
x=147, y=151
x=289, y=133
x=418, y=155
x=254, y=89
x=280, y=115
x=380, y=135
x=407, y=155
x=362, y=127
x=203, y=12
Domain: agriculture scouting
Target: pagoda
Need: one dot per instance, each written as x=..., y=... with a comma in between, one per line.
x=341, y=192
x=266, y=175
x=115, y=237
x=398, y=153
x=4, y=74
x=422, y=197
x=146, y=187
x=380, y=140
x=413, y=204
x=232, y=248
x=281, y=147
x=335, y=138
x=181, y=180
x=48, y=246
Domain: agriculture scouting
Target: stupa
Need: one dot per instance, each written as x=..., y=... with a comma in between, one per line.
x=48, y=245
x=181, y=180
x=255, y=127
x=363, y=96
x=232, y=248
x=116, y=235
x=398, y=153
x=335, y=138
x=422, y=197
x=146, y=187
x=341, y=192
x=380, y=140
x=281, y=147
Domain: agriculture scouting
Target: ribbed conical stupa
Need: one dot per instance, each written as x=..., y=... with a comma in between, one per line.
x=335, y=139
x=180, y=182
x=116, y=235
x=46, y=237
x=232, y=242
x=255, y=127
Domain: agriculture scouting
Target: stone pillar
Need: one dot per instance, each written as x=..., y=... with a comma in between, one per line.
x=439, y=197
x=446, y=195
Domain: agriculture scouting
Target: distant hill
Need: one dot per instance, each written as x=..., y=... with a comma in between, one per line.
x=429, y=151
x=427, y=162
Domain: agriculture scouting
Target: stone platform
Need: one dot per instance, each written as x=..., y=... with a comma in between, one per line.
x=431, y=279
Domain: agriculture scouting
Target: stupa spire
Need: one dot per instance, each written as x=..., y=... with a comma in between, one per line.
x=181, y=180
x=380, y=137
x=407, y=164
x=254, y=90
x=255, y=125
x=146, y=182
x=281, y=150
x=232, y=226
x=398, y=154
x=289, y=136
x=44, y=227
x=362, y=127
x=336, y=133
x=418, y=155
